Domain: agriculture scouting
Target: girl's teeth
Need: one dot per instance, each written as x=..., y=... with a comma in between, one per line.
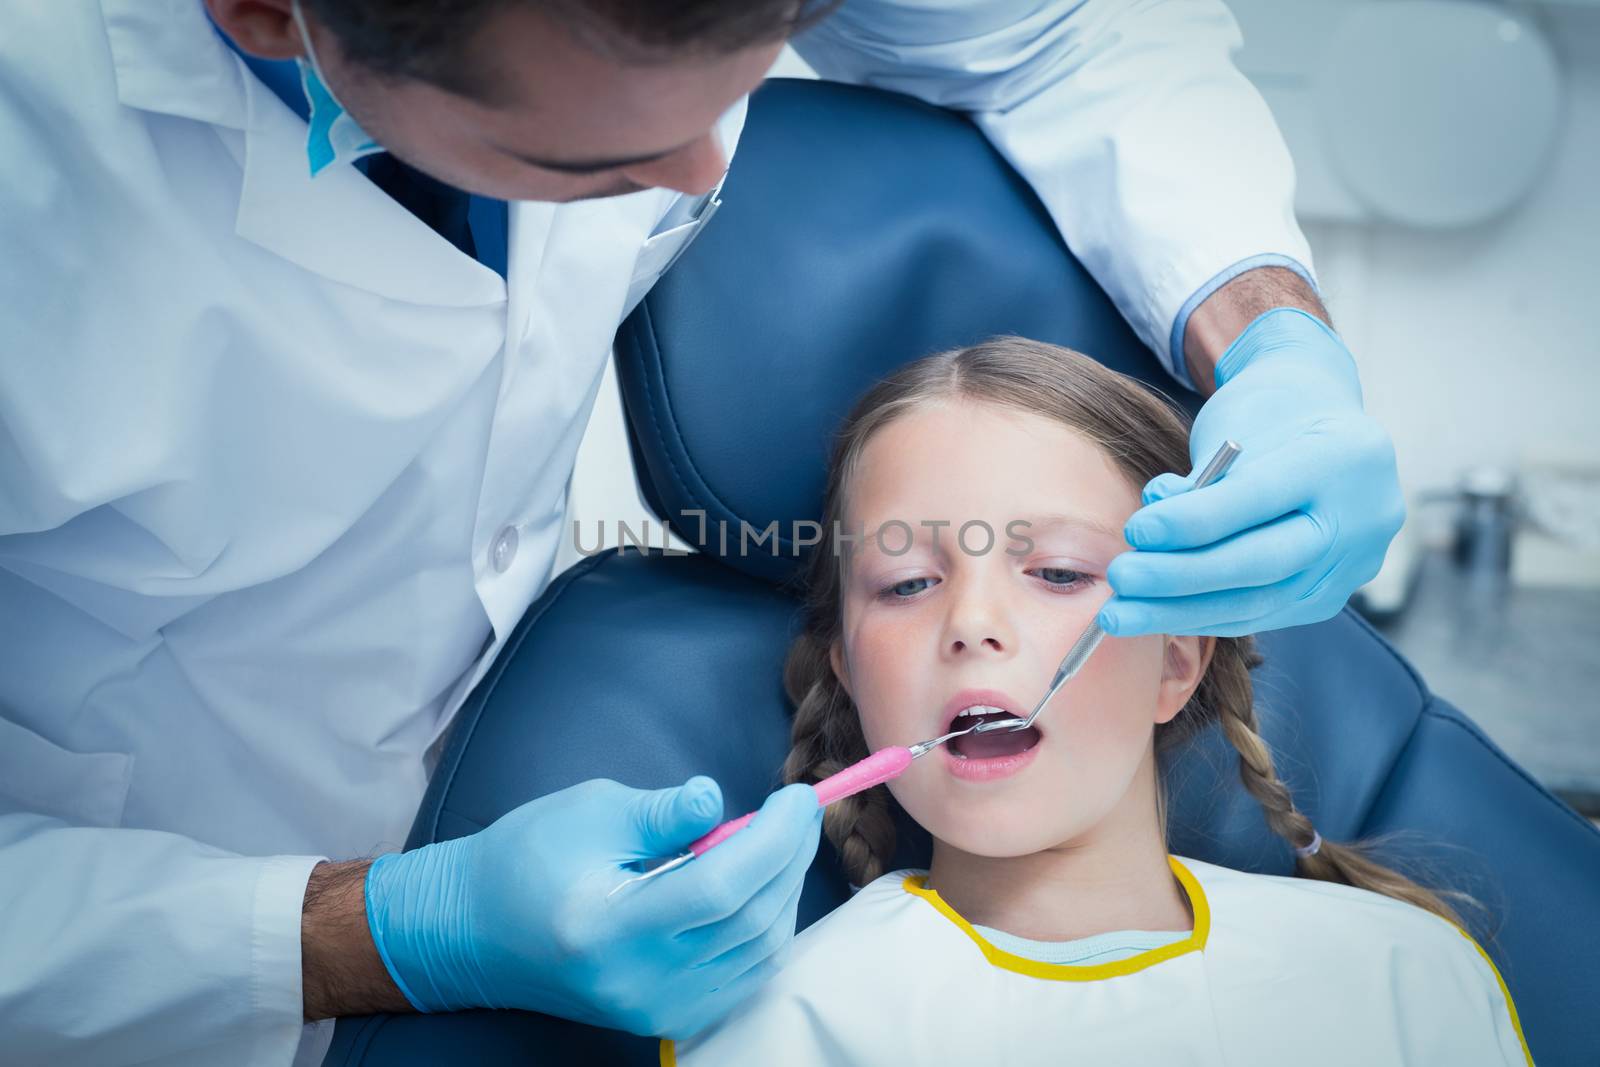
x=980, y=709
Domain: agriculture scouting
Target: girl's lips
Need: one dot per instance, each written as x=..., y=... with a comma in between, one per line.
x=975, y=768
x=988, y=770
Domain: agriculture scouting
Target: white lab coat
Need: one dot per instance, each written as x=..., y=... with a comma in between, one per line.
x=266, y=444
x=1275, y=970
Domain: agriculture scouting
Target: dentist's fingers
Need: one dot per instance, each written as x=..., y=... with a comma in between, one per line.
x=1233, y=613
x=1265, y=555
x=722, y=881
x=1162, y=486
x=757, y=918
x=772, y=929
x=1255, y=491
x=664, y=821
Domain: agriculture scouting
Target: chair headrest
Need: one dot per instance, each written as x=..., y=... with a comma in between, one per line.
x=860, y=230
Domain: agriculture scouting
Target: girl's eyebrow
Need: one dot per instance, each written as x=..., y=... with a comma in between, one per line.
x=1085, y=523
x=1047, y=521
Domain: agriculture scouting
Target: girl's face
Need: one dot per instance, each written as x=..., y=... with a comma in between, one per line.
x=954, y=622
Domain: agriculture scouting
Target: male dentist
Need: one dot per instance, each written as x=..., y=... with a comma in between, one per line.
x=303, y=308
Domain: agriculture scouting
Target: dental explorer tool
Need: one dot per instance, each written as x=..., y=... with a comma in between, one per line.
x=880, y=767
x=1090, y=640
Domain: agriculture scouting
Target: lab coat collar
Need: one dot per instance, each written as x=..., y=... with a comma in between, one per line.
x=169, y=59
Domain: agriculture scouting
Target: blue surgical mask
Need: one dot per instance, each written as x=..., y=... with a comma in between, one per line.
x=332, y=135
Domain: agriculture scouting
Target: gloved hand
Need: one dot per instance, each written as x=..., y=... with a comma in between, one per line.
x=516, y=915
x=1301, y=520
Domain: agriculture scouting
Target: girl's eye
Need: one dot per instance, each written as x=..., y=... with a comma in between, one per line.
x=1061, y=577
x=901, y=590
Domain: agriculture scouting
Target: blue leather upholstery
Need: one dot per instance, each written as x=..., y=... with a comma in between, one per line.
x=862, y=230
x=868, y=230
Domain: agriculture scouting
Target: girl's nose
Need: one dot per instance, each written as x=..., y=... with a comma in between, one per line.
x=979, y=625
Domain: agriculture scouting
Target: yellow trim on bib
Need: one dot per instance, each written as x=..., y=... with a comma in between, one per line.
x=1516, y=1023
x=917, y=885
x=669, y=1053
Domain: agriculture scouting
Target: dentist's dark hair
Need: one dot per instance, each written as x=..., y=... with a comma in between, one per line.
x=1144, y=435
x=431, y=40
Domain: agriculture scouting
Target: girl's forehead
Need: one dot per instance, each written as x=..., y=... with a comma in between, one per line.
x=974, y=460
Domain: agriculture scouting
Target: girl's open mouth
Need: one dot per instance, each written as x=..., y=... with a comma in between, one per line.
x=995, y=754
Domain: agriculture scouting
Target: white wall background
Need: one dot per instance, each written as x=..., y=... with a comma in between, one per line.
x=1479, y=345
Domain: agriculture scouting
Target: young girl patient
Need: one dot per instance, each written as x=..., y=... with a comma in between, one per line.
x=1053, y=926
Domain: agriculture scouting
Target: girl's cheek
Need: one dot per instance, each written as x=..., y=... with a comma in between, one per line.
x=870, y=654
x=1116, y=692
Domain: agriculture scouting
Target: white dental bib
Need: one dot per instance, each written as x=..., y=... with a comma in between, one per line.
x=1276, y=970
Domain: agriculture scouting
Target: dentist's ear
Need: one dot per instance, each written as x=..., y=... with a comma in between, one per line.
x=264, y=28
x=1184, y=659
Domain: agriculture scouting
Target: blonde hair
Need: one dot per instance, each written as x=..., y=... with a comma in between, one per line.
x=1144, y=435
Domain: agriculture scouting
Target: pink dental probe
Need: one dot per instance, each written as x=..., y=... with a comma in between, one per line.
x=880, y=767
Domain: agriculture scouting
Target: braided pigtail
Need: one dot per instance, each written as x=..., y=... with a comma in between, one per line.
x=1227, y=691
x=826, y=738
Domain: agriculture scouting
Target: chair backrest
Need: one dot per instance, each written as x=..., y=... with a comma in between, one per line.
x=862, y=230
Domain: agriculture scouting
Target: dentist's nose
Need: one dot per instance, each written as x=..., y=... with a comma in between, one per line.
x=694, y=169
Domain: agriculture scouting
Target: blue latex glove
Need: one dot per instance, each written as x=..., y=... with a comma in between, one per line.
x=517, y=916
x=1301, y=520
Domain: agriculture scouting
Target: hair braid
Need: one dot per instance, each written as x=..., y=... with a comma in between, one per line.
x=1238, y=724
x=825, y=739
x=1347, y=864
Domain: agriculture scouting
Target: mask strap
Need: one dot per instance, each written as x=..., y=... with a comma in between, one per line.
x=332, y=132
x=311, y=53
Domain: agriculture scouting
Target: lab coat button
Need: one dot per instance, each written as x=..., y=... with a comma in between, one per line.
x=504, y=549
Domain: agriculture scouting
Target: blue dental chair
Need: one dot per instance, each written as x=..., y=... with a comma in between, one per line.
x=862, y=230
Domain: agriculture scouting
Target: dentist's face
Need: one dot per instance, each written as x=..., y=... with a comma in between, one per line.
x=549, y=116
x=936, y=630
